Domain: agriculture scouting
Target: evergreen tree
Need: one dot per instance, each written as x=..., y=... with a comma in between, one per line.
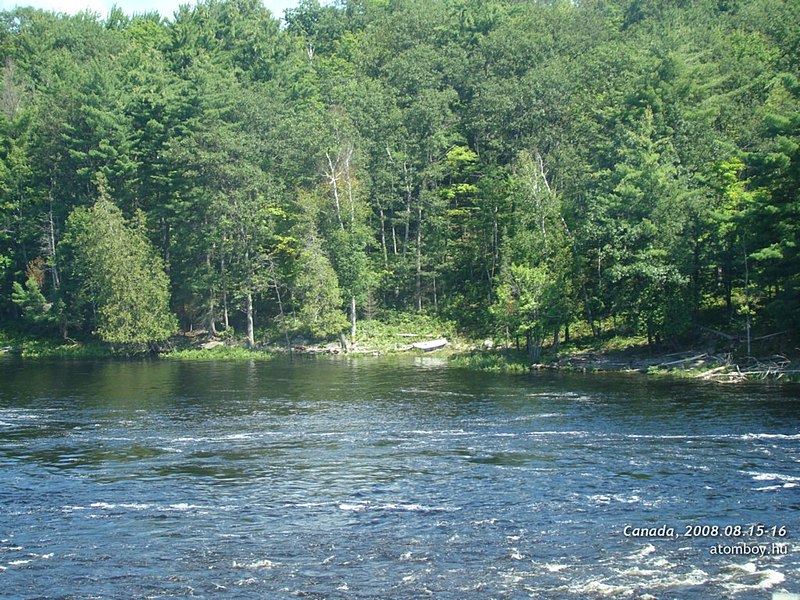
x=111, y=266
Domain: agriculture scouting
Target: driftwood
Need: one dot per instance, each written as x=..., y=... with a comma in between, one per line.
x=734, y=373
x=766, y=337
x=683, y=360
x=710, y=372
x=726, y=336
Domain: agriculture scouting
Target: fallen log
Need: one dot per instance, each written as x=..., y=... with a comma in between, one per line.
x=683, y=360
x=766, y=337
x=768, y=372
x=727, y=336
x=710, y=372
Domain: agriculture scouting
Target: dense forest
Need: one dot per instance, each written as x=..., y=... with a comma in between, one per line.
x=518, y=167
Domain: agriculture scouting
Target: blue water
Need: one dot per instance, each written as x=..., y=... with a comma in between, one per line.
x=388, y=478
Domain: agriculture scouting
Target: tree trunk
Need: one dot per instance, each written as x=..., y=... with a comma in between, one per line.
x=557, y=337
x=251, y=340
x=276, y=285
x=349, y=184
x=211, y=326
x=333, y=179
x=384, y=248
x=537, y=347
x=566, y=333
x=495, y=248
x=224, y=291
x=695, y=279
x=165, y=231
x=746, y=297
x=727, y=284
x=352, y=320
x=589, y=316
x=408, y=207
x=418, y=286
x=52, y=247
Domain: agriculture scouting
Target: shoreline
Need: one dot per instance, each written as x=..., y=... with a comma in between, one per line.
x=686, y=364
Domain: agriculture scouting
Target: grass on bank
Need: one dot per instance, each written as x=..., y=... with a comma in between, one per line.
x=396, y=331
x=30, y=348
x=229, y=353
x=27, y=346
x=515, y=359
x=493, y=361
x=53, y=349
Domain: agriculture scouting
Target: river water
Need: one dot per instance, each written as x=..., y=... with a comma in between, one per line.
x=391, y=478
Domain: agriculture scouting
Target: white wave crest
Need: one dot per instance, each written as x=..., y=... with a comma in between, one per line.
x=394, y=507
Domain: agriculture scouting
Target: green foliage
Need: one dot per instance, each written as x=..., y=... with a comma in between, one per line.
x=47, y=349
x=493, y=362
x=231, y=353
x=318, y=293
x=32, y=303
x=390, y=331
x=38, y=344
x=114, y=268
x=518, y=168
x=534, y=295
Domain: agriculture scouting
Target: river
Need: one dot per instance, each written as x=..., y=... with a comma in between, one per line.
x=391, y=478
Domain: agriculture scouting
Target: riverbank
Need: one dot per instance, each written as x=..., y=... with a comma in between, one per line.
x=396, y=333
x=49, y=348
x=637, y=359
x=611, y=355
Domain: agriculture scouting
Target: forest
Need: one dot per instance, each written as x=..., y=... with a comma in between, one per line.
x=525, y=169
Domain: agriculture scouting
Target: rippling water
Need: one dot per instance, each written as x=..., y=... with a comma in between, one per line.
x=390, y=478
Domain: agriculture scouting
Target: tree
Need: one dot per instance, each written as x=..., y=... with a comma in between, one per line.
x=773, y=216
x=347, y=233
x=35, y=308
x=247, y=224
x=112, y=267
x=534, y=292
x=316, y=289
x=15, y=172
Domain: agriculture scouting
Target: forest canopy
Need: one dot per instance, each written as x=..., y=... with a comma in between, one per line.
x=517, y=167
